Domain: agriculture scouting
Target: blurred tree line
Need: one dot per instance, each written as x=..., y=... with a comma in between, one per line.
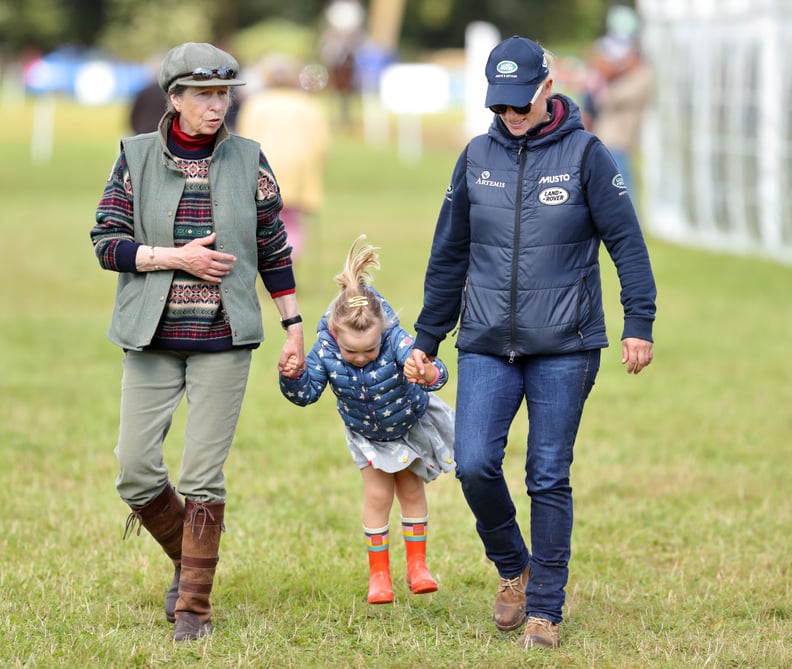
x=137, y=29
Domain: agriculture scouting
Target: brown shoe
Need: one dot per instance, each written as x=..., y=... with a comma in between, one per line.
x=510, y=602
x=540, y=633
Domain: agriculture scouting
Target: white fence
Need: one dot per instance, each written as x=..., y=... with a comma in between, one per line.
x=717, y=150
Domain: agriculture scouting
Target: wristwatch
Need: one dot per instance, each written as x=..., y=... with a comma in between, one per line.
x=286, y=322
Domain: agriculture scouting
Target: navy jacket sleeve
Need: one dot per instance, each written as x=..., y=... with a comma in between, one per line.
x=309, y=386
x=614, y=217
x=448, y=265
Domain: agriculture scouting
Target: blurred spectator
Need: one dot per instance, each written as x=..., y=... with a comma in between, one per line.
x=338, y=45
x=148, y=107
x=293, y=131
x=618, y=92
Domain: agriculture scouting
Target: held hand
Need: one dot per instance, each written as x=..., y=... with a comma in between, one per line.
x=292, y=358
x=418, y=367
x=206, y=263
x=637, y=354
x=292, y=369
x=420, y=360
x=411, y=370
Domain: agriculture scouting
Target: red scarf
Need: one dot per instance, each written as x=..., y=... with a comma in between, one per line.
x=187, y=142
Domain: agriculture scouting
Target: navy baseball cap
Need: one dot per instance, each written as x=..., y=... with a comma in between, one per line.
x=514, y=70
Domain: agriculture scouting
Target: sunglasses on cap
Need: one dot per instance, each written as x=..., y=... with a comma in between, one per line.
x=206, y=73
x=501, y=109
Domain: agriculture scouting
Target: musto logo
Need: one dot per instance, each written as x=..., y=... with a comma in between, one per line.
x=553, y=196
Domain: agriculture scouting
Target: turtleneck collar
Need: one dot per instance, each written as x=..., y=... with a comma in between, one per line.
x=187, y=146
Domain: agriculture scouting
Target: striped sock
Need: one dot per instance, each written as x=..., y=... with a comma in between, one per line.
x=415, y=529
x=377, y=539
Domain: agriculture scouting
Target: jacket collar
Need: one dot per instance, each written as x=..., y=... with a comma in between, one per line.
x=564, y=118
x=164, y=128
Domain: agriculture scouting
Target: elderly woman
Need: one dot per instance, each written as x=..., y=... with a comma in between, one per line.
x=189, y=216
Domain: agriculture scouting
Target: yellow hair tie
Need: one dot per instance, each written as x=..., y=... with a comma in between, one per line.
x=358, y=301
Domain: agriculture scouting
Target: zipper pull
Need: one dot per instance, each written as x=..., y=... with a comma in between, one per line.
x=511, y=357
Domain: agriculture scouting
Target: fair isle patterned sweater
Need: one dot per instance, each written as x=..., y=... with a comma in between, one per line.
x=377, y=400
x=193, y=318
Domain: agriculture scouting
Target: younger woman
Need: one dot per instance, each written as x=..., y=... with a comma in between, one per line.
x=399, y=435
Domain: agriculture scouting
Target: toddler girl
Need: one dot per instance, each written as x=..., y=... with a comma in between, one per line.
x=399, y=435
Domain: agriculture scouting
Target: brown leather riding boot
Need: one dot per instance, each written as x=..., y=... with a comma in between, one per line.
x=203, y=524
x=163, y=517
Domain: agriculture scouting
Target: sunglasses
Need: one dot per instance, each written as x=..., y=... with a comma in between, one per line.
x=501, y=109
x=206, y=73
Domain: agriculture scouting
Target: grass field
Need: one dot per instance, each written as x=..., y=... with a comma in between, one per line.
x=681, y=551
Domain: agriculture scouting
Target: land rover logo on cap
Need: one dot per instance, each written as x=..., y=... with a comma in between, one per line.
x=506, y=67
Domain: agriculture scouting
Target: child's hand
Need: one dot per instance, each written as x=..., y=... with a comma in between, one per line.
x=291, y=370
x=411, y=370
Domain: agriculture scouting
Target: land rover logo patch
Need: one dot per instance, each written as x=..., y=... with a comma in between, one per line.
x=553, y=196
x=506, y=67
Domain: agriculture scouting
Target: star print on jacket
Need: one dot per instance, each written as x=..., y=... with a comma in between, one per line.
x=377, y=400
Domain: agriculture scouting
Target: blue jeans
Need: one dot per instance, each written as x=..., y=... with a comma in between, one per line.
x=490, y=390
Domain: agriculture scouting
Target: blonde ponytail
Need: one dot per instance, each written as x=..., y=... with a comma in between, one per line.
x=357, y=307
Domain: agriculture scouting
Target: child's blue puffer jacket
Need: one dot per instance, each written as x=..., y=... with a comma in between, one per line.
x=377, y=400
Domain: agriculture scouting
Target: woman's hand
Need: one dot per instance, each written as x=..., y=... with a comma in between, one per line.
x=637, y=354
x=205, y=263
x=418, y=368
x=292, y=368
x=292, y=358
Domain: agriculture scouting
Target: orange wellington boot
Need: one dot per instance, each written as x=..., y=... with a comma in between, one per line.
x=419, y=580
x=380, y=585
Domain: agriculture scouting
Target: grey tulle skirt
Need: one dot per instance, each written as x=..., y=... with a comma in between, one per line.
x=426, y=450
